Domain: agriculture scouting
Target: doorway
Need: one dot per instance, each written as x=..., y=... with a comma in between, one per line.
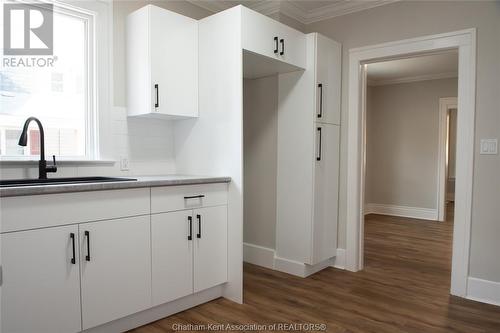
x=404, y=235
x=464, y=42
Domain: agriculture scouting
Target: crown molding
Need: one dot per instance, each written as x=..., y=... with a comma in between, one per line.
x=410, y=79
x=294, y=11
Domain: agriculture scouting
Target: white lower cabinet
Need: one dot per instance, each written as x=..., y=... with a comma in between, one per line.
x=115, y=269
x=189, y=252
x=41, y=282
x=210, y=247
x=172, y=254
x=75, y=277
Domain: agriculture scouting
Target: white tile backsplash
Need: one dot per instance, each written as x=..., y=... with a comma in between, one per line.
x=148, y=143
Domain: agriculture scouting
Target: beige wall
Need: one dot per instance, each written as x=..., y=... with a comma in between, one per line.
x=121, y=8
x=409, y=19
x=402, y=134
x=260, y=112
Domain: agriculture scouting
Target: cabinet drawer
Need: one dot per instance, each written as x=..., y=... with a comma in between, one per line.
x=265, y=36
x=171, y=198
x=39, y=211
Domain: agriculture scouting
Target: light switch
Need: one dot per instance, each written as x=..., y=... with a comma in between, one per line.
x=489, y=147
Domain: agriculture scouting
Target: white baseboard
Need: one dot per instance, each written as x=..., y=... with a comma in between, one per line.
x=483, y=291
x=403, y=211
x=339, y=260
x=258, y=255
x=158, y=312
x=266, y=257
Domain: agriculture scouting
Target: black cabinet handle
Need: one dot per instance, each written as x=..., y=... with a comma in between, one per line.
x=198, y=217
x=282, y=42
x=276, y=45
x=157, y=102
x=320, y=86
x=318, y=158
x=87, y=235
x=72, y=236
x=190, y=221
x=195, y=197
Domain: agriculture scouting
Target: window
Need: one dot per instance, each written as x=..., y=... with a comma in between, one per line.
x=61, y=95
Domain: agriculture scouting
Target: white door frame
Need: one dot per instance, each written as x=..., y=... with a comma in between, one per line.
x=465, y=42
x=445, y=104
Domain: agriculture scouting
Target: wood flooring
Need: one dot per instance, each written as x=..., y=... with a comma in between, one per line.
x=403, y=288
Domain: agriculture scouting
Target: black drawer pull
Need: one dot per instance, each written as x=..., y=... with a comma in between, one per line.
x=199, y=226
x=72, y=236
x=320, y=86
x=87, y=235
x=157, y=102
x=276, y=45
x=282, y=42
x=318, y=158
x=195, y=197
x=190, y=221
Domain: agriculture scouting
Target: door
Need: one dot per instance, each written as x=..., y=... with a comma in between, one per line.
x=210, y=247
x=326, y=180
x=41, y=282
x=174, y=63
x=265, y=36
x=328, y=76
x=115, y=269
x=172, y=251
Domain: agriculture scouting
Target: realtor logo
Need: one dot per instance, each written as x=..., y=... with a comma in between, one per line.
x=28, y=29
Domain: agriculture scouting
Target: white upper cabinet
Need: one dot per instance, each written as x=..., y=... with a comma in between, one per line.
x=162, y=64
x=264, y=36
x=328, y=76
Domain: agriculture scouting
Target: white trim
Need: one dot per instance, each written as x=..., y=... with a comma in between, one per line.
x=158, y=312
x=483, y=291
x=339, y=260
x=258, y=255
x=402, y=211
x=266, y=257
x=298, y=13
x=410, y=79
x=465, y=41
x=300, y=269
x=445, y=104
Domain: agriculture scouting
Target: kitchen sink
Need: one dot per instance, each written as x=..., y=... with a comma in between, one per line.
x=59, y=181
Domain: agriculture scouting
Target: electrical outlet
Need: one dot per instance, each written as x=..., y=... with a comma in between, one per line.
x=124, y=164
x=489, y=147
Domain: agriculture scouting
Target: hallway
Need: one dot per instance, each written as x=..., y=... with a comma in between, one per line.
x=404, y=288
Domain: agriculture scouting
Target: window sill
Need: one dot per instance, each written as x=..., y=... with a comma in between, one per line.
x=65, y=162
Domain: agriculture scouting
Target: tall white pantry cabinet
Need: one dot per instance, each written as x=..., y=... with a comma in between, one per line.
x=308, y=158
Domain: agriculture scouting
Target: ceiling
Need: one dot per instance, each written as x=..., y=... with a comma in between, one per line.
x=426, y=67
x=304, y=11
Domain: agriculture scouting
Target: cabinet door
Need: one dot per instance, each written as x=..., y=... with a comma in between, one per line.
x=265, y=36
x=326, y=193
x=328, y=76
x=115, y=269
x=210, y=247
x=174, y=63
x=41, y=283
x=172, y=251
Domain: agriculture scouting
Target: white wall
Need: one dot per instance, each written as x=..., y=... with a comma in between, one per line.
x=402, y=128
x=260, y=112
x=407, y=19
